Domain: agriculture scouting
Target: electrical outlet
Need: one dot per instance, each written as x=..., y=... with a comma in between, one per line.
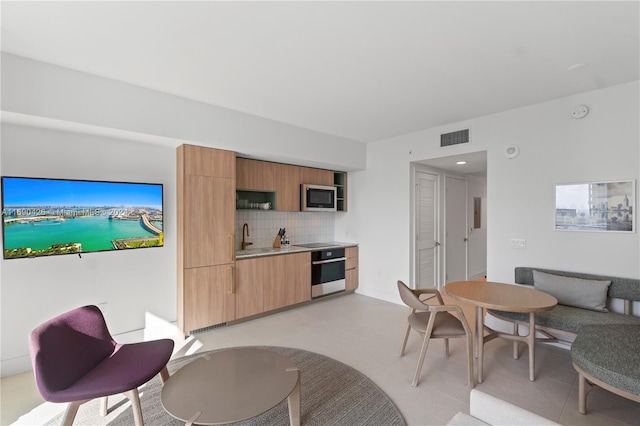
x=518, y=243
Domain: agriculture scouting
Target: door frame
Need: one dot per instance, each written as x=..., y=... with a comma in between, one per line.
x=415, y=168
x=441, y=216
x=445, y=224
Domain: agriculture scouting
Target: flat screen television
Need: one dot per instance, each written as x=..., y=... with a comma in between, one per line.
x=45, y=217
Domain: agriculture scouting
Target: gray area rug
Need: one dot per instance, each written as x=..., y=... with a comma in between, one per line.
x=332, y=393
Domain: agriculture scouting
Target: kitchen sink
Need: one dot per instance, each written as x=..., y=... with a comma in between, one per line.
x=250, y=251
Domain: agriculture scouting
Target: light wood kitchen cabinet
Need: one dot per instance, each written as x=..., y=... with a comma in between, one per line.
x=208, y=296
x=351, y=268
x=250, y=275
x=287, y=188
x=205, y=236
x=201, y=161
x=285, y=181
x=272, y=282
x=316, y=176
x=275, y=284
x=297, y=269
x=208, y=221
x=254, y=175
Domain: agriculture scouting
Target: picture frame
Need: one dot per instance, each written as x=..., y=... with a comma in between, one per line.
x=596, y=206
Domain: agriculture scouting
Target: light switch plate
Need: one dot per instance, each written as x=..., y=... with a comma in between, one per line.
x=518, y=243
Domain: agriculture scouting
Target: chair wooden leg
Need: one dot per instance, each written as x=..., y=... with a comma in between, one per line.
x=404, y=341
x=104, y=405
x=423, y=352
x=70, y=413
x=164, y=375
x=133, y=396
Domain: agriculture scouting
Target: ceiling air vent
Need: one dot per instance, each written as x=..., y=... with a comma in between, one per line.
x=454, y=138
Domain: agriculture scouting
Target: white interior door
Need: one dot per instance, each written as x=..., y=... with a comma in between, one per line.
x=426, y=226
x=456, y=237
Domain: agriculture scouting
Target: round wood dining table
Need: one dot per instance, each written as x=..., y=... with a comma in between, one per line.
x=502, y=297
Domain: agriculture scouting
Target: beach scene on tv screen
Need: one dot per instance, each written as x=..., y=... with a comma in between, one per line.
x=43, y=217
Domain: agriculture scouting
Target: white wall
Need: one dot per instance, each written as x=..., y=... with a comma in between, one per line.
x=132, y=283
x=554, y=148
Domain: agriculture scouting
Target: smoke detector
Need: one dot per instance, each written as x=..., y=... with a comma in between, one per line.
x=511, y=152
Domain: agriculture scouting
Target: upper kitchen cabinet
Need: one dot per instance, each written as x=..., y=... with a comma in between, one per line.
x=255, y=175
x=288, y=188
x=206, y=189
x=316, y=176
x=264, y=181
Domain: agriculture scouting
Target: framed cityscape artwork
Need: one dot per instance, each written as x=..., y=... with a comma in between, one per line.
x=597, y=206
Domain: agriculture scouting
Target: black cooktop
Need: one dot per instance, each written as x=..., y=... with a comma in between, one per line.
x=316, y=245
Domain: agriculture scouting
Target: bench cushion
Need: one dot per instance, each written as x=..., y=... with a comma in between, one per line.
x=570, y=291
x=610, y=354
x=570, y=319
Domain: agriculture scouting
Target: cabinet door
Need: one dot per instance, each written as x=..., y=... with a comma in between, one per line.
x=202, y=161
x=209, y=221
x=288, y=188
x=208, y=296
x=274, y=282
x=351, y=268
x=255, y=175
x=316, y=176
x=249, y=287
x=297, y=269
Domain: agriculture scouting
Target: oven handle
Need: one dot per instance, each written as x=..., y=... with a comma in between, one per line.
x=320, y=262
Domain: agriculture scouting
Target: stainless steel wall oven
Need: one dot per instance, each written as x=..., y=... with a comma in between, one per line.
x=327, y=272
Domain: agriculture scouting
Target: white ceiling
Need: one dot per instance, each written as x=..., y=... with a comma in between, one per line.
x=361, y=70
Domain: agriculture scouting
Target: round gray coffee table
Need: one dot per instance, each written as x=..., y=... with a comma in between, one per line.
x=232, y=385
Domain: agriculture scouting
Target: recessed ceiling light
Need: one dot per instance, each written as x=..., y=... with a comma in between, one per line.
x=461, y=162
x=576, y=67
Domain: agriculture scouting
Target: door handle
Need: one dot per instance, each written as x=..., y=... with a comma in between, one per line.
x=437, y=244
x=466, y=240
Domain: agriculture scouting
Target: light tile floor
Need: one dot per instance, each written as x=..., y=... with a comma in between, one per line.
x=366, y=333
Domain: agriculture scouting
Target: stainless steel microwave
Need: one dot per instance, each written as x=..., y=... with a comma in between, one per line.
x=317, y=198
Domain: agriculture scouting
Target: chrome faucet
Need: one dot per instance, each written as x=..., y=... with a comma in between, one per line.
x=244, y=243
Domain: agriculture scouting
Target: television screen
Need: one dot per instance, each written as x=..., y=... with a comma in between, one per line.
x=44, y=217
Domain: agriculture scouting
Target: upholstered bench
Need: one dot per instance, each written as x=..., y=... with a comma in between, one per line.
x=582, y=300
x=608, y=356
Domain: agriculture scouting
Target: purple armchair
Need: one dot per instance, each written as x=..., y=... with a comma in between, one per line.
x=75, y=360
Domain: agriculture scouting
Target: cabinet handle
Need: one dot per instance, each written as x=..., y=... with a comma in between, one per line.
x=232, y=284
x=232, y=240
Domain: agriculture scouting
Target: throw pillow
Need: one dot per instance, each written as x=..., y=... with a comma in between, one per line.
x=577, y=292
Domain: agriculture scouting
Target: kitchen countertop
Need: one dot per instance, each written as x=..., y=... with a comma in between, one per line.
x=271, y=251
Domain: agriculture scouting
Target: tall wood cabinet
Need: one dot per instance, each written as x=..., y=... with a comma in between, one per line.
x=206, y=223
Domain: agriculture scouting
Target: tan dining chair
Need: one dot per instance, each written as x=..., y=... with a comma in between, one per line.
x=434, y=321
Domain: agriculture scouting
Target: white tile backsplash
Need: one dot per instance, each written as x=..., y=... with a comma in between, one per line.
x=302, y=227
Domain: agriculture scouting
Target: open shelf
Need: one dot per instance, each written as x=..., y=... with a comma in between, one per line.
x=254, y=197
